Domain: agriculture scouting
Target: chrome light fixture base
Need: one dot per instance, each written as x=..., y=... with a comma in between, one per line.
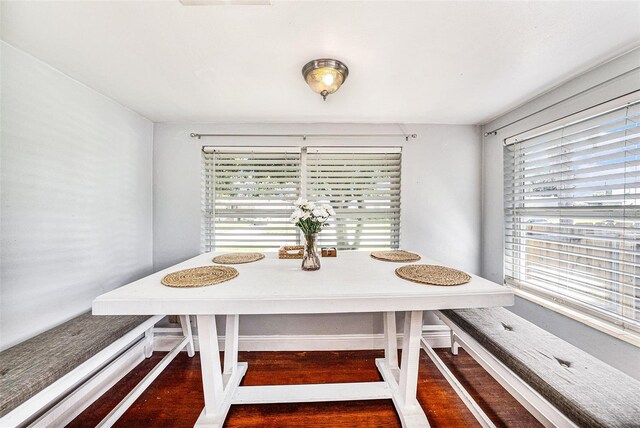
x=325, y=76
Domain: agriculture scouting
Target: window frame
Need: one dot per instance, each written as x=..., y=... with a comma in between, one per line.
x=208, y=227
x=207, y=232
x=553, y=301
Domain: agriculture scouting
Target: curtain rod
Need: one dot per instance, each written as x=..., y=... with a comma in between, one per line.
x=305, y=136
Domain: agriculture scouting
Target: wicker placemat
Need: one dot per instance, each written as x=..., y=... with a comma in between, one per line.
x=237, y=258
x=398, y=256
x=432, y=274
x=200, y=276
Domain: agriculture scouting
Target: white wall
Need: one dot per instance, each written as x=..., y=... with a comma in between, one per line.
x=76, y=171
x=616, y=78
x=440, y=201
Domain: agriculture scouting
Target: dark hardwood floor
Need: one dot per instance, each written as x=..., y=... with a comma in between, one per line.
x=175, y=398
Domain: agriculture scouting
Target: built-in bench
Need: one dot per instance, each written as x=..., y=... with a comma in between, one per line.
x=52, y=377
x=558, y=383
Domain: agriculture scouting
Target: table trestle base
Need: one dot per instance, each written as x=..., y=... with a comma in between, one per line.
x=410, y=413
x=216, y=420
x=222, y=388
x=309, y=393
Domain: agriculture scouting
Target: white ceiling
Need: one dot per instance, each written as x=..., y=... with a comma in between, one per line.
x=430, y=62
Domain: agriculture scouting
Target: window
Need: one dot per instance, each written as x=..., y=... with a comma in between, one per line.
x=364, y=189
x=572, y=219
x=247, y=199
x=248, y=196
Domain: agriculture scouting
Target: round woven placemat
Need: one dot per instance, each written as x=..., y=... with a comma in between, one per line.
x=238, y=258
x=399, y=256
x=432, y=274
x=200, y=276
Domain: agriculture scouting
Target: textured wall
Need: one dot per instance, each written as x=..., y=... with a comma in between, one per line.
x=76, y=171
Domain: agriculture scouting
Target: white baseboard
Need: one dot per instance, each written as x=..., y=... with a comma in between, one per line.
x=166, y=339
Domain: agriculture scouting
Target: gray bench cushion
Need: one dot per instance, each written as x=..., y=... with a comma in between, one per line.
x=30, y=366
x=588, y=391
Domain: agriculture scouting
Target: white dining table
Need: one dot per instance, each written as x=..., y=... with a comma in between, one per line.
x=350, y=283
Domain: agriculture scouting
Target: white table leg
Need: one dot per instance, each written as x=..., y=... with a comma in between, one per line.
x=390, y=340
x=210, y=363
x=410, y=356
x=231, y=345
x=185, y=323
x=218, y=391
x=403, y=391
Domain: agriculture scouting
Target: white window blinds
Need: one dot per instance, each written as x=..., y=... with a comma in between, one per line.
x=247, y=199
x=248, y=196
x=364, y=190
x=572, y=217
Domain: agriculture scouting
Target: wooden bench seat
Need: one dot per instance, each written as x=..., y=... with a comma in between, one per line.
x=587, y=391
x=33, y=365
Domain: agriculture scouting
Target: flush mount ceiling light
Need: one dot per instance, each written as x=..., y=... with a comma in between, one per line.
x=325, y=76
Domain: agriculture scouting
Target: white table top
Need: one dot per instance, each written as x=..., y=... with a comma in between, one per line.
x=351, y=282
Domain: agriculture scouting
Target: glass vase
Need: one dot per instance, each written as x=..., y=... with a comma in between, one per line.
x=311, y=260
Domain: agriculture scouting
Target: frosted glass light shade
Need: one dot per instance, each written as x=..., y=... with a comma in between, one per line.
x=324, y=79
x=325, y=76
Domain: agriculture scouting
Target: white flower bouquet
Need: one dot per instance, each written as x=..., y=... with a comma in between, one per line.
x=311, y=217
